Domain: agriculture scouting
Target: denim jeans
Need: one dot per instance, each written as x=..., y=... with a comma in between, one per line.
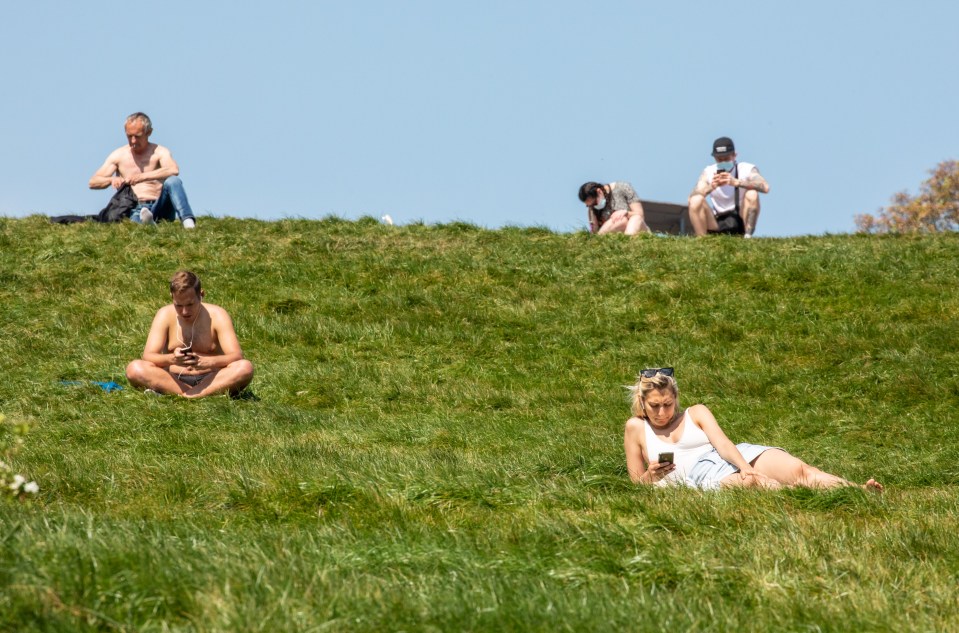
x=171, y=204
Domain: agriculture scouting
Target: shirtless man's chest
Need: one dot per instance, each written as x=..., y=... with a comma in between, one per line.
x=198, y=335
x=131, y=164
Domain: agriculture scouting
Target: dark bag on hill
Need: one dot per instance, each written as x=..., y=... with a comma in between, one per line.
x=730, y=222
x=121, y=204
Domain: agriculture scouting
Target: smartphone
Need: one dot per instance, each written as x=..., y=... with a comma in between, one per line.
x=666, y=457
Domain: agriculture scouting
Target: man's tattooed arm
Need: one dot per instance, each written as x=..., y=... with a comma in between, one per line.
x=755, y=181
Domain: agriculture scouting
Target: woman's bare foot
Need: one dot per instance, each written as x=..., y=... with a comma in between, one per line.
x=873, y=485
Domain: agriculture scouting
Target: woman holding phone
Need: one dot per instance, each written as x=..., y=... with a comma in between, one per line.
x=667, y=445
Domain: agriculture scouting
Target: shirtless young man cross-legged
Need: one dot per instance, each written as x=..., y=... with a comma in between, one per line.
x=192, y=349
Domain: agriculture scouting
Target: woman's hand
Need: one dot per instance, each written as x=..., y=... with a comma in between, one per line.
x=659, y=470
x=752, y=477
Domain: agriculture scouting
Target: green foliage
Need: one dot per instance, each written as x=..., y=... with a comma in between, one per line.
x=12, y=484
x=935, y=209
x=433, y=439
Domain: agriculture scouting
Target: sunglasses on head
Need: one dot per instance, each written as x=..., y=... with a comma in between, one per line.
x=649, y=373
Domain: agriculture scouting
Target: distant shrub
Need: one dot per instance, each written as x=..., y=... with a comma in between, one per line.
x=934, y=210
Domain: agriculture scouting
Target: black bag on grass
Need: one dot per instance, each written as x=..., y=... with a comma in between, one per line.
x=121, y=204
x=730, y=223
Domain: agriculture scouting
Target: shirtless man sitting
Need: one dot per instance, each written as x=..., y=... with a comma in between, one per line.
x=192, y=349
x=151, y=171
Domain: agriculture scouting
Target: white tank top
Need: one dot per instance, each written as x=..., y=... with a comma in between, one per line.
x=721, y=199
x=692, y=445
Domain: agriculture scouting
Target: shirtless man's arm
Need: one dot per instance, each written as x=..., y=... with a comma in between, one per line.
x=165, y=168
x=156, y=345
x=109, y=173
x=112, y=174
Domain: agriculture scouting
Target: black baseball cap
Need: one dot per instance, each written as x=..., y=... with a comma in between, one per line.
x=723, y=145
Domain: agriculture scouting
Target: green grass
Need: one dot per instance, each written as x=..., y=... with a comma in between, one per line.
x=433, y=439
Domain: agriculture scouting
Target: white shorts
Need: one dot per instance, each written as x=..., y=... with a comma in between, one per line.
x=710, y=469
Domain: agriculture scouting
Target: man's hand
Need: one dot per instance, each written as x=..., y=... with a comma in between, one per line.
x=117, y=181
x=722, y=178
x=187, y=359
x=201, y=362
x=136, y=178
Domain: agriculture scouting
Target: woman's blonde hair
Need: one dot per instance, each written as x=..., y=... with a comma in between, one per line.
x=644, y=385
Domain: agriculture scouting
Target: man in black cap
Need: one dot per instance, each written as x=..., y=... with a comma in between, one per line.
x=726, y=198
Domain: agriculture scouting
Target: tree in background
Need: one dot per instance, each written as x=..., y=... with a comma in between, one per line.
x=935, y=209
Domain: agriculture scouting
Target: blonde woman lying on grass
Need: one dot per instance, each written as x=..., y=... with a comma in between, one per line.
x=667, y=445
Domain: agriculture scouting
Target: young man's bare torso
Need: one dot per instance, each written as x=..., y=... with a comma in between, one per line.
x=199, y=335
x=192, y=349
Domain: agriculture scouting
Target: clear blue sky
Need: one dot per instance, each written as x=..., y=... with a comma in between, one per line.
x=489, y=112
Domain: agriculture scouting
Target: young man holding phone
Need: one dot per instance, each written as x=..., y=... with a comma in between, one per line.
x=192, y=349
x=726, y=198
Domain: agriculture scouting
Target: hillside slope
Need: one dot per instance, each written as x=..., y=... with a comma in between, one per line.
x=434, y=434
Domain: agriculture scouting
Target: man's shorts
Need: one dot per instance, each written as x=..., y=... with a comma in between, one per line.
x=193, y=379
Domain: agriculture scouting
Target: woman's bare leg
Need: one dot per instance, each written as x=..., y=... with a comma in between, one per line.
x=792, y=471
x=738, y=480
x=636, y=223
x=615, y=224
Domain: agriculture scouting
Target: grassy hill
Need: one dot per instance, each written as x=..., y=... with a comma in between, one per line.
x=433, y=439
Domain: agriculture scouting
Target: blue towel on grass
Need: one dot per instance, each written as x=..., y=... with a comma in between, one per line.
x=106, y=385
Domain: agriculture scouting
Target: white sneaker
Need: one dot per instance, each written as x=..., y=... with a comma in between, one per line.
x=189, y=223
x=747, y=235
x=146, y=216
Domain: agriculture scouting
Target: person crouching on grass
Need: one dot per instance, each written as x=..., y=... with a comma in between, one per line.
x=667, y=445
x=613, y=208
x=192, y=349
